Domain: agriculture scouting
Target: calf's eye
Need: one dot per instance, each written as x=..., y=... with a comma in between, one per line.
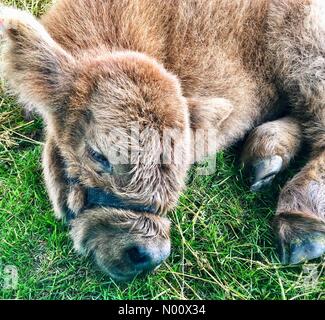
x=101, y=159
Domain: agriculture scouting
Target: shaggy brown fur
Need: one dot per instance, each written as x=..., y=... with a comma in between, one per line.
x=91, y=67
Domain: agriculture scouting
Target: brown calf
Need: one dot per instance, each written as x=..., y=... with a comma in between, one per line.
x=91, y=68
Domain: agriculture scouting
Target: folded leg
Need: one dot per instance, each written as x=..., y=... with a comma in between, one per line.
x=269, y=149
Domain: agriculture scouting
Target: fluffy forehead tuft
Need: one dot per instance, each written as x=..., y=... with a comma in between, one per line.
x=120, y=88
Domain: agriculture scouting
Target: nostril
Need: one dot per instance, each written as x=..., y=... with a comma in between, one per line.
x=138, y=255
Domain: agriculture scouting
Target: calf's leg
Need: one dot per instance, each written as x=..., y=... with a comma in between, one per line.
x=269, y=149
x=300, y=217
x=297, y=52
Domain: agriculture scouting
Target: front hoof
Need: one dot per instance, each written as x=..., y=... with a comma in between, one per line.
x=301, y=238
x=310, y=247
x=264, y=171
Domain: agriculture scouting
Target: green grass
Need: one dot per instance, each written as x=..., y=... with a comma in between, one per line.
x=223, y=245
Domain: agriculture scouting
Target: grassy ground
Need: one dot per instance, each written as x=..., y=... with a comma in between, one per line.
x=223, y=247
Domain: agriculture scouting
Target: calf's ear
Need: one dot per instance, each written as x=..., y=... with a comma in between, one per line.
x=208, y=113
x=35, y=67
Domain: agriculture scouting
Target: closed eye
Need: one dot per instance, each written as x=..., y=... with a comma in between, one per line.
x=101, y=159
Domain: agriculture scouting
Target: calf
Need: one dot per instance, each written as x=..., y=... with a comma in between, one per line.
x=111, y=77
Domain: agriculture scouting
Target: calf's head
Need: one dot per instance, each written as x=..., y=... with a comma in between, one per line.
x=121, y=130
x=107, y=115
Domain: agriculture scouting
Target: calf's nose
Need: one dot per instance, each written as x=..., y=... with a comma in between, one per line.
x=145, y=258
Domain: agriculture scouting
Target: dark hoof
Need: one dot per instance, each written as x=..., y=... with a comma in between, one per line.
x=264, y=171
x=310, y=247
